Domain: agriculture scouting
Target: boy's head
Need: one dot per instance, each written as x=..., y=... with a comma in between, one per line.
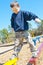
x=15, y=7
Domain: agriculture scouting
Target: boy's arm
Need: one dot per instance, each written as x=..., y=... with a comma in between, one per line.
x=12, y=29
x=35, y=18
x=29, y=16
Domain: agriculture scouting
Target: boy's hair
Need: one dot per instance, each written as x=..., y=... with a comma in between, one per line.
x=15, y=3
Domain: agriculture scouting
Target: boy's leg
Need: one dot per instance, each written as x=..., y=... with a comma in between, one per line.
x=32, y=46
x=17, y=49
x=18, y=45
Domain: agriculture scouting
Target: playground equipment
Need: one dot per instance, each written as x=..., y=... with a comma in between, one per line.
x=11, y=62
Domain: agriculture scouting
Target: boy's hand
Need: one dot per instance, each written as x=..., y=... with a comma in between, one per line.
x=12, y=30
x=38, y=20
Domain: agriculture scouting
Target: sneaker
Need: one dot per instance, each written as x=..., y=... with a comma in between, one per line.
x=13, y=56
x=35, y=54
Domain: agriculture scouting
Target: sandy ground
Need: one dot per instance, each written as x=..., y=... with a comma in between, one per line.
x=24, y=55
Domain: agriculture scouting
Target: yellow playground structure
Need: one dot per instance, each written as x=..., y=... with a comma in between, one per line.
x=11, y=62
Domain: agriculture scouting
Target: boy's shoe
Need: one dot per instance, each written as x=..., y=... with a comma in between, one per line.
x=35, y=53
x=13, y=56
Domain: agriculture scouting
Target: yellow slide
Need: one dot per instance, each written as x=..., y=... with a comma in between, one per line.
x=11, y=62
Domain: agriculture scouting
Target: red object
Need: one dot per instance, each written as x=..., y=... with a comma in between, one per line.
x=33, y=61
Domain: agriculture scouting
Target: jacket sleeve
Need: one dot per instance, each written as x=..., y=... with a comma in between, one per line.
x=12, y=21
x=29, y=16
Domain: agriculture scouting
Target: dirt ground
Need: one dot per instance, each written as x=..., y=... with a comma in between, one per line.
x=24, y=55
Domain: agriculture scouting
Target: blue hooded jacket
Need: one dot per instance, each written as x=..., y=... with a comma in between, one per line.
x=19, y=20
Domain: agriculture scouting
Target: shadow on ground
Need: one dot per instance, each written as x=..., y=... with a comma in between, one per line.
x=29, y=64
x=1, y=64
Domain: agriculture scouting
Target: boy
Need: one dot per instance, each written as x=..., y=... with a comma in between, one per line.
x=20, y=25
